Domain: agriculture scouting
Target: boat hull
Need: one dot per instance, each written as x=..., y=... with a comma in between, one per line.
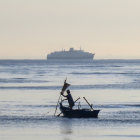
x=79, y=113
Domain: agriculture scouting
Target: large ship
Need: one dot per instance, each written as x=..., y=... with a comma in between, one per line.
x=70, y=55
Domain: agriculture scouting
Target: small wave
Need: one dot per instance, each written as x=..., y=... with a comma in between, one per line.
x=21, y=80
x=76, y=87
x=124, y=136
x=126, y=121
x=32, y=87
x=108, y=86
x=108, y=106
x=36, y=106
x=50, y=118
x=132, y=105
x=24, y=118
x=104, y=73
x=98, y=66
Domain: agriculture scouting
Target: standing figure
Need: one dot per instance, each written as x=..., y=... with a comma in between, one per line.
x=69, y=98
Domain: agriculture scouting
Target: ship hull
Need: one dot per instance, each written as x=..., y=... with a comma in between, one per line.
x=69, y=60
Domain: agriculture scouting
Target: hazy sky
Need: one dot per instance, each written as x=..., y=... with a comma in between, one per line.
x=34, y=28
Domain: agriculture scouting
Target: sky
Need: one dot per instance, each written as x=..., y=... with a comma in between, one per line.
x=31, y=29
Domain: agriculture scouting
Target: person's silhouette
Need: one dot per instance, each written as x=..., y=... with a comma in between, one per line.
x=69, y=98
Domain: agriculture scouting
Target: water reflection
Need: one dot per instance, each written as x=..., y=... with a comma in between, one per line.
x=66, y=128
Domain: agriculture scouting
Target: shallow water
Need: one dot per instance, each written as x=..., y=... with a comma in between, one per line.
x=29, y=90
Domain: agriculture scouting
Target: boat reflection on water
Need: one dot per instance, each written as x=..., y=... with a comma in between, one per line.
x=66, y=128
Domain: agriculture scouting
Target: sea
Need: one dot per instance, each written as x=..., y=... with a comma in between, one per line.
x=29, y=92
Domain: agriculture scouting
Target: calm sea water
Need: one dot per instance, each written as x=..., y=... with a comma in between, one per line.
x=29, y=90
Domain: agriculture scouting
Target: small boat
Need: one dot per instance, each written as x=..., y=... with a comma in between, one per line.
x=78, y=113
x=74, y=113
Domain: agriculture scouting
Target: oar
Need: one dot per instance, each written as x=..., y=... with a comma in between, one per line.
x=74, y=102
x=88, y=103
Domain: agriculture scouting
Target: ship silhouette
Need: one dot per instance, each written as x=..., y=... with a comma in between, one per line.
x=70, y=55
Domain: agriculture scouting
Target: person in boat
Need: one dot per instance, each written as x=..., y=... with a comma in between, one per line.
x=69, y=98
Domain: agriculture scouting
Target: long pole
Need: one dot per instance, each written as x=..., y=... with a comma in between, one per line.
x=57, y=105
x=62, y=91
x=88, y=103
x=76, y=100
